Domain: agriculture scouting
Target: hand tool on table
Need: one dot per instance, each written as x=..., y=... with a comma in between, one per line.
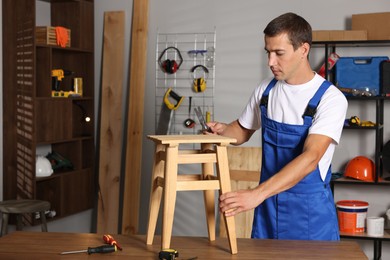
x=92, y=250
x=108, y=239
x=189, y=123
x=200, y=116
x=167, y=108
x=168, y=254
x=171, y=254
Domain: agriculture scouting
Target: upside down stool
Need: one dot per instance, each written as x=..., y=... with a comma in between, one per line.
x=19, y=207
x=165, y=179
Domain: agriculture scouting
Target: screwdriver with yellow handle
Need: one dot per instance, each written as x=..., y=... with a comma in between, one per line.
x=92, y=250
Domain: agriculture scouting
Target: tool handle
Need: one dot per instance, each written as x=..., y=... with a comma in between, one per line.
x=102, y=249
x=108, y=239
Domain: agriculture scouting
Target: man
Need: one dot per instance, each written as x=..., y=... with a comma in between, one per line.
x=301, y=116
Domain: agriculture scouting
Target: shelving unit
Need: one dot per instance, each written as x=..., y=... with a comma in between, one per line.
x=33, y=119
x=330, y=47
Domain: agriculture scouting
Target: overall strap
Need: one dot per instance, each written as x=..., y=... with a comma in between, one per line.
x=311, y=108
x=264, y=98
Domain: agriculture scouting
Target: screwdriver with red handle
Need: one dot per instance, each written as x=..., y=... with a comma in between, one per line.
x=92, y=250
x=108, y=239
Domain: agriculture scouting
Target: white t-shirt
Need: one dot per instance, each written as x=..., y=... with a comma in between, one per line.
x=287, y=103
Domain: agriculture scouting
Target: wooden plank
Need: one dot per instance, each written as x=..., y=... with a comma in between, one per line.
x=131, y=189
x=110, y=145
x=244, y=166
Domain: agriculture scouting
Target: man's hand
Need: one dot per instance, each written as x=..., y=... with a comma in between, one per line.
x=217, y=127
x=232, y=203
x=234, y=129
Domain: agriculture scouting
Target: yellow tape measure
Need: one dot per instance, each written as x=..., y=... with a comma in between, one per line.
x=168, y=254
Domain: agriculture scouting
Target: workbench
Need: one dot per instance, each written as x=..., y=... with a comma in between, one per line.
x=42, y=245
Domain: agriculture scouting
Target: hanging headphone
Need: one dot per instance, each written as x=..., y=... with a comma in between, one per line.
x=199, y=84
x=170, y=66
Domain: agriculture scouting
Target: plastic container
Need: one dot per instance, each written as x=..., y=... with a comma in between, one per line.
x=359, y=72
x=352, y=215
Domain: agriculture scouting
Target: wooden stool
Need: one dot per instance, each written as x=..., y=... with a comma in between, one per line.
x=20, y=207
x=165, y=178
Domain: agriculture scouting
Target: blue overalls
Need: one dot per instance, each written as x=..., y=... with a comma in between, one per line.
x=305, y=211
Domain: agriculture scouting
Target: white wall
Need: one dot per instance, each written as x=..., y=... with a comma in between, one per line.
x=240, y=65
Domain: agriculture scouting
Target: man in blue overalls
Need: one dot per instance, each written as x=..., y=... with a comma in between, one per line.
x=301, y=116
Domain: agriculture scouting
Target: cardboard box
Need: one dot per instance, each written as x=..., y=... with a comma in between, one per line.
x=376, y=24
x=339, y=35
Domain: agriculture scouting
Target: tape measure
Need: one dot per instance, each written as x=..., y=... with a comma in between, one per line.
x=168, y=254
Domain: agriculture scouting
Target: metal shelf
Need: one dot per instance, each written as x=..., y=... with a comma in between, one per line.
x=329, y=47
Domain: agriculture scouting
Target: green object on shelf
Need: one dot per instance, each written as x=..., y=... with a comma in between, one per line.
x=59, y=162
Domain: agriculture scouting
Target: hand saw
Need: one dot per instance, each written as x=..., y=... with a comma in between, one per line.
x=164, y=122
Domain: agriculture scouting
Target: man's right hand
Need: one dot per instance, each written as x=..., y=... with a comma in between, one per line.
x=234, y=130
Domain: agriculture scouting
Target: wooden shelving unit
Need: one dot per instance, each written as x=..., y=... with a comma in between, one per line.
x=33, y=118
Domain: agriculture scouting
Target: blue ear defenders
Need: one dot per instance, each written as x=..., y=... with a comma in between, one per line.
x=199, y=84
x=170, y=66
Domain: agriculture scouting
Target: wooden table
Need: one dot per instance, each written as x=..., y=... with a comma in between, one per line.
x=42, y=245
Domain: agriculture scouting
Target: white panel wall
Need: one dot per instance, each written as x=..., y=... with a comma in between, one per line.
x=240, y=64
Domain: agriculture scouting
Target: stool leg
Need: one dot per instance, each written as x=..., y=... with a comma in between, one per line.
x=4, y=224
x=224, y=179
x=19, y=222
x=43, y=221
x=171, y=166
x=155, y=193
x=209, y=196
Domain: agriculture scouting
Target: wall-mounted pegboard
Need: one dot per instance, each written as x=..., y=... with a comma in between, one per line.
x=185, y=71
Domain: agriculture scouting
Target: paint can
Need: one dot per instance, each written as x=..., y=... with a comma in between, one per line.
x=352, y=215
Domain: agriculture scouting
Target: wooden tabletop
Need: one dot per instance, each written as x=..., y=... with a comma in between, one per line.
x=192, y=139
x=42, y=245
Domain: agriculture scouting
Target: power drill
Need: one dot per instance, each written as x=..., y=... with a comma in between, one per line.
x=56, y=77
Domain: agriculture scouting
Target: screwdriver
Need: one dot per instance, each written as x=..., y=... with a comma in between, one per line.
x=108, y=239
x=92, y=250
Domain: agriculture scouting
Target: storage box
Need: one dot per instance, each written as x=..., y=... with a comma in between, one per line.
x=359, y=72
x=339, y=35
x=376, y=24
x=47, y=35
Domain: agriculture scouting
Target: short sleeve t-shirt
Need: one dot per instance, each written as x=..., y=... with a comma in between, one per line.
x=287, y=104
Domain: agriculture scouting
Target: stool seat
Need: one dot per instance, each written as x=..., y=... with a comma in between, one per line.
x=22, y=206
x=166, y=180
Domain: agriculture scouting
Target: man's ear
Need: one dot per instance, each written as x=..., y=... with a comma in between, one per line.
x=305, y=48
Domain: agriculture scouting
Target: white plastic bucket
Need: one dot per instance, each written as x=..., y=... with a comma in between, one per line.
x=352, y=215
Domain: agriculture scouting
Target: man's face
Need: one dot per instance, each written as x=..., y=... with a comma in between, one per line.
x=283, y=61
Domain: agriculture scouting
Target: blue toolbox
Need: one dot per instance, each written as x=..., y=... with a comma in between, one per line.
x=359, y=73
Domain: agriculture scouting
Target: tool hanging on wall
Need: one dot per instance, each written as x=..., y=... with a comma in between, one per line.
x=167, y=108
x=170, y=66
x=189, y=123
x=199, y=83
